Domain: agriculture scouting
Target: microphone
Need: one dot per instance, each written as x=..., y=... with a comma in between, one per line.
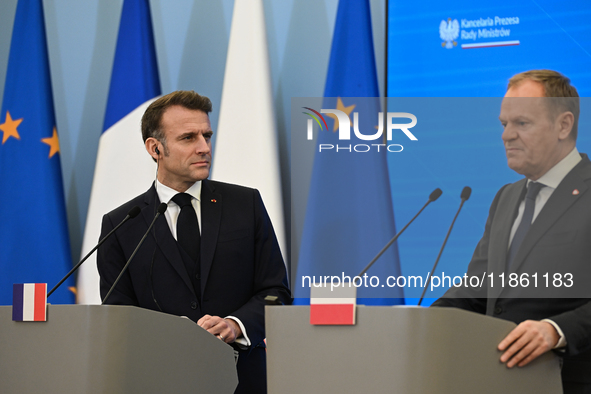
x=464, y=196
x=435, y=194
x=133, y=212
x=161, y=209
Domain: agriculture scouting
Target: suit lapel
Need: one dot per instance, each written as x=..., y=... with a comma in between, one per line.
x=164, y=239
x=211, y=216
x=561, y=200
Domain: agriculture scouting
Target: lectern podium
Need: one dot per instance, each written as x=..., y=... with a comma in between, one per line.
x=405, y=350
x=111, y=349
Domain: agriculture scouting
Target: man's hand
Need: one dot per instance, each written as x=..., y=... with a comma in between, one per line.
x=225, y=329
x=528, y=340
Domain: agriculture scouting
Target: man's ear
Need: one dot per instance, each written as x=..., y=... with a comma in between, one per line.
x=565, y=122
x=152, y=147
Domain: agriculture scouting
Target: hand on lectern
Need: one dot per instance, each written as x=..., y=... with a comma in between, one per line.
x=225, y=329
x=527, y=341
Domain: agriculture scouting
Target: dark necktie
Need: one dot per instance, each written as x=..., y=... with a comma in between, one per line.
x=187, y=227
x=528, y=213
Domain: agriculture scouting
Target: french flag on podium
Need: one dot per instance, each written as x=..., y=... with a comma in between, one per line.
x=29, y=302
x=333, y=304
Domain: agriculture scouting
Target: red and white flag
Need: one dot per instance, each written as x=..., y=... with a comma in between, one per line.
x=333, y=305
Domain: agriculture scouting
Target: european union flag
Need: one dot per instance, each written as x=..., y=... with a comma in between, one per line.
x=349, y=216
x=33, y=228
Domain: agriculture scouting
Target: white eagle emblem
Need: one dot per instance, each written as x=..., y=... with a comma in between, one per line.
x=448, y=31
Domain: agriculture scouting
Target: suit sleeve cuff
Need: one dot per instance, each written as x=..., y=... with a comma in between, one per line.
x=562, y=340
x=243, y=341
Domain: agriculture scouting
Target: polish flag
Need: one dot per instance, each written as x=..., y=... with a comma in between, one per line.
x=330, y=305
x=29, y=302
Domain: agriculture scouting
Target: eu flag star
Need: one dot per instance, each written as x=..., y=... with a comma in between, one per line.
x=53, y=142
x=9, y=128
x=341, y=107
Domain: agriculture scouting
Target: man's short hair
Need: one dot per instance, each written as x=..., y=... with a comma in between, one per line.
x=152, y=118
x=556, y=86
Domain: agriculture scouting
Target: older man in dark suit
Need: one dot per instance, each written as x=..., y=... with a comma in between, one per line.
x=215, y=255
x=539, y=225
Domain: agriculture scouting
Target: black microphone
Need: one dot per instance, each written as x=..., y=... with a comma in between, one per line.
x=435, y=194
x=161, y=209
x=133, y=212
x=466, y=191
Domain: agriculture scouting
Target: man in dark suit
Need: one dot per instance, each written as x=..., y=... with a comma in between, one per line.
x=213, y=257
x=539, y=226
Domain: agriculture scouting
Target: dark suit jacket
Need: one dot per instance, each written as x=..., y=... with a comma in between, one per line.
x=559, y=241
x=240, y=264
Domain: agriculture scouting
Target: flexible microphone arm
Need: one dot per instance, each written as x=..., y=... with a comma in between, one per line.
x=161, y=209
x=466, y=191
x=435, y=194
x=133, y=212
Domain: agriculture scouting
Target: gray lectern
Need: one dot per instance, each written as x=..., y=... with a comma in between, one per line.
x=398, y=350
x=111, y=349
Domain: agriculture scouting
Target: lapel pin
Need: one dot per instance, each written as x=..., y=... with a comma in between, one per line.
x=214, y=200
x=576, y=192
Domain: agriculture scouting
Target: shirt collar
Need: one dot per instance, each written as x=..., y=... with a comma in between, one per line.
x=165, y=193
x=556, y=174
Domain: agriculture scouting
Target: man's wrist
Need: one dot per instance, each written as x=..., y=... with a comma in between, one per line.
x=235, y=327
x=243, y=341
x=561, y=338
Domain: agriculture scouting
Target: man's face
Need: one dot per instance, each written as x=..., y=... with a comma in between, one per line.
x=532, y=137
x=186, y=158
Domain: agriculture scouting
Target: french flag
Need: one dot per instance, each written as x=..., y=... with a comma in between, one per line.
x=29, y=302
x=123, y=167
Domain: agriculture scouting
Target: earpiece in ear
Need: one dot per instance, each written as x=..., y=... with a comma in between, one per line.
x=157, y=151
